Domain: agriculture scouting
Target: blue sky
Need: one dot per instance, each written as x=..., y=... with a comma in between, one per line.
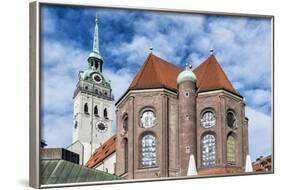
x=242, y=46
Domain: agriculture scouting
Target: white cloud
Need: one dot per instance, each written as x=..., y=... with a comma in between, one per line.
x=260, y=133
x=62, y=63
x=259, y=97
x=120, y=81
x=59, y=130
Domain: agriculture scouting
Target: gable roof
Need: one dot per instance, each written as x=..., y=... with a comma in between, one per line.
x=102, y=152
x=210, y=76
x=155, y=73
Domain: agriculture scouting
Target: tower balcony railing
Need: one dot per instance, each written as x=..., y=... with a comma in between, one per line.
x=92, y=92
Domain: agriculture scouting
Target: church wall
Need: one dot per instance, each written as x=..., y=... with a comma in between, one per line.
x=220, y=102
x=134, y=105
x=173, y=135
x=123, y=110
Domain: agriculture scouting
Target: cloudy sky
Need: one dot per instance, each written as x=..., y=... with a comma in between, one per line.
x=242, y=47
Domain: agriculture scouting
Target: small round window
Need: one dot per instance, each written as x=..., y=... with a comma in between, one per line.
x=231, y=120
x=208, y=120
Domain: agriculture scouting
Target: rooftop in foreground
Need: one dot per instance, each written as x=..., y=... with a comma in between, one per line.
x=61, y=171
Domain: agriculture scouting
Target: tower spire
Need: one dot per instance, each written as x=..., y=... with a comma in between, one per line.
x=95, y=55
x=96, y=37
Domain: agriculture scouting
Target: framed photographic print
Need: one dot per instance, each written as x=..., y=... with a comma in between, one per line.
x=129, y=94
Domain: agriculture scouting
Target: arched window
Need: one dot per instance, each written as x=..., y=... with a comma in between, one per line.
x=96, y=64
x=126, y=154
x=148, y=151
x=86, y=110
x=75, y=124
x=125, y=124
x=96, y=112
x=230, y=150
x=231, y=120
x=208, y=150
x=105, y=113
x=148, y=119
x=208, y=120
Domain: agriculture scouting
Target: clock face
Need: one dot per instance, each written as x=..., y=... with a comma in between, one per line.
x=101, y=127
x=148, y=119
x=97, y=78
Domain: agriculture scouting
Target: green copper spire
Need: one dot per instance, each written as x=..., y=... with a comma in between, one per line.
x=96, y=37
x=95, y=51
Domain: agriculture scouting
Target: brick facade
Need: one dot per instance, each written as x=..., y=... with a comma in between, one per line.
x=177, y=129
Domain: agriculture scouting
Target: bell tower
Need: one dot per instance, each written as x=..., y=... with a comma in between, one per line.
x=93, y=104
x=186, y=81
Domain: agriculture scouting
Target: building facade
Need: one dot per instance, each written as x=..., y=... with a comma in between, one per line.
x=263, y=164
x=168, y=114
x=93, y=106
x=166, y=117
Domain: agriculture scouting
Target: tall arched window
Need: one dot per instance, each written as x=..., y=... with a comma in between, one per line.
x=105, y=113
x=230, y=150
x=125, y=124
x=208, y=150
x=96, y=112
x=86, y=110
x=126, y=154
x=148, y=151
x=231, y=120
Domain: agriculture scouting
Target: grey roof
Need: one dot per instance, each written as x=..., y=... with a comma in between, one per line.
x=61, y=171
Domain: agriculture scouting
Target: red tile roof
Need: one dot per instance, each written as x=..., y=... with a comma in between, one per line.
x=262, y=164
x=155, y=73
x=102, y=152
x=210, y=76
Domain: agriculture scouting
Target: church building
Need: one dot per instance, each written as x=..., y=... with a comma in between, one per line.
x=169, y=115
x=168, y=122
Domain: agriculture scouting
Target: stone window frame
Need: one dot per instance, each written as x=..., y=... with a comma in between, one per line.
x=209, y=132
x=123, y=130
x=126, y=162
x=86, y=108
x=148, y=132
x=147, y=108
x=96, y=111
x=208, y=109
x=234, y=136
x=75, y=124
x=235, y=116
x=105, y=113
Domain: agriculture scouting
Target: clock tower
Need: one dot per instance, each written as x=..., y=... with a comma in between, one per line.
x=93, y=104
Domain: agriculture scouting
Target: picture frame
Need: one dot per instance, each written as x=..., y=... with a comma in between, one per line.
x=145, y=114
